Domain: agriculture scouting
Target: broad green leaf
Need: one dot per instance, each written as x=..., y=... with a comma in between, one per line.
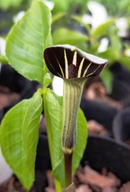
x=27, y=41
x=65, y=36
x=102, y=29
x=107, y=79
x=19, y=137
x=81, y=140
x=54, y=104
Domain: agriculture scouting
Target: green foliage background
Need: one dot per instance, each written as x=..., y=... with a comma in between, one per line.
x=120, y=8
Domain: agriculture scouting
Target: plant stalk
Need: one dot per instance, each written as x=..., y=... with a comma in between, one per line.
x=58, y=186
x=68, y=167
x=72, y=92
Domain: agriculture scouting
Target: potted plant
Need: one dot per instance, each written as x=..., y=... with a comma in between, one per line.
x=26, y=42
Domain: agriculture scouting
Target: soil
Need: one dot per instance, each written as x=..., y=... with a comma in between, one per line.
x=86, y=180
x=96, y=91
x=127, y=142
x=95, y=128
x=7, y=97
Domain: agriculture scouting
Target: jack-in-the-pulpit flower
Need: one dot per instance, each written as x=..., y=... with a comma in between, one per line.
x=74, y=66
x=68, y=62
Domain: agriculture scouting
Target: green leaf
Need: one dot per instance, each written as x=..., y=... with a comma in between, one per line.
x=58, y=16
x=116, y=42
x=102, y=29
x=47, y=79
x=94, y=48
x=27, y=41
x=54, y=104
x=107, y=79
x=19, y=137
x=125, y=61
x=110, y=54
x=65, y=36
x=3, y=60
x=68, y=5
x=82, y=133
x=79, y=19
x=60, y=5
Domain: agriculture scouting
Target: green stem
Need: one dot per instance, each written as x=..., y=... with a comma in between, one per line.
x=50, y=138
x=48, y=125
x=68, y=168
x=72, y=92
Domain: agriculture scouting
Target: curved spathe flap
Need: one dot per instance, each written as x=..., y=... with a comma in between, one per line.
x=68, y=62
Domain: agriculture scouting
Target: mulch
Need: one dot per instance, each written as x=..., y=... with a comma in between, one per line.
x=86, y=180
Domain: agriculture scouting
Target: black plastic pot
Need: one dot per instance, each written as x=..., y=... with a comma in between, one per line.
x=106, y=152
x=43, y=156
x=100, y=112
x=121, y=125
x=16, y=83
x=100, y=152
x=121, y=82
